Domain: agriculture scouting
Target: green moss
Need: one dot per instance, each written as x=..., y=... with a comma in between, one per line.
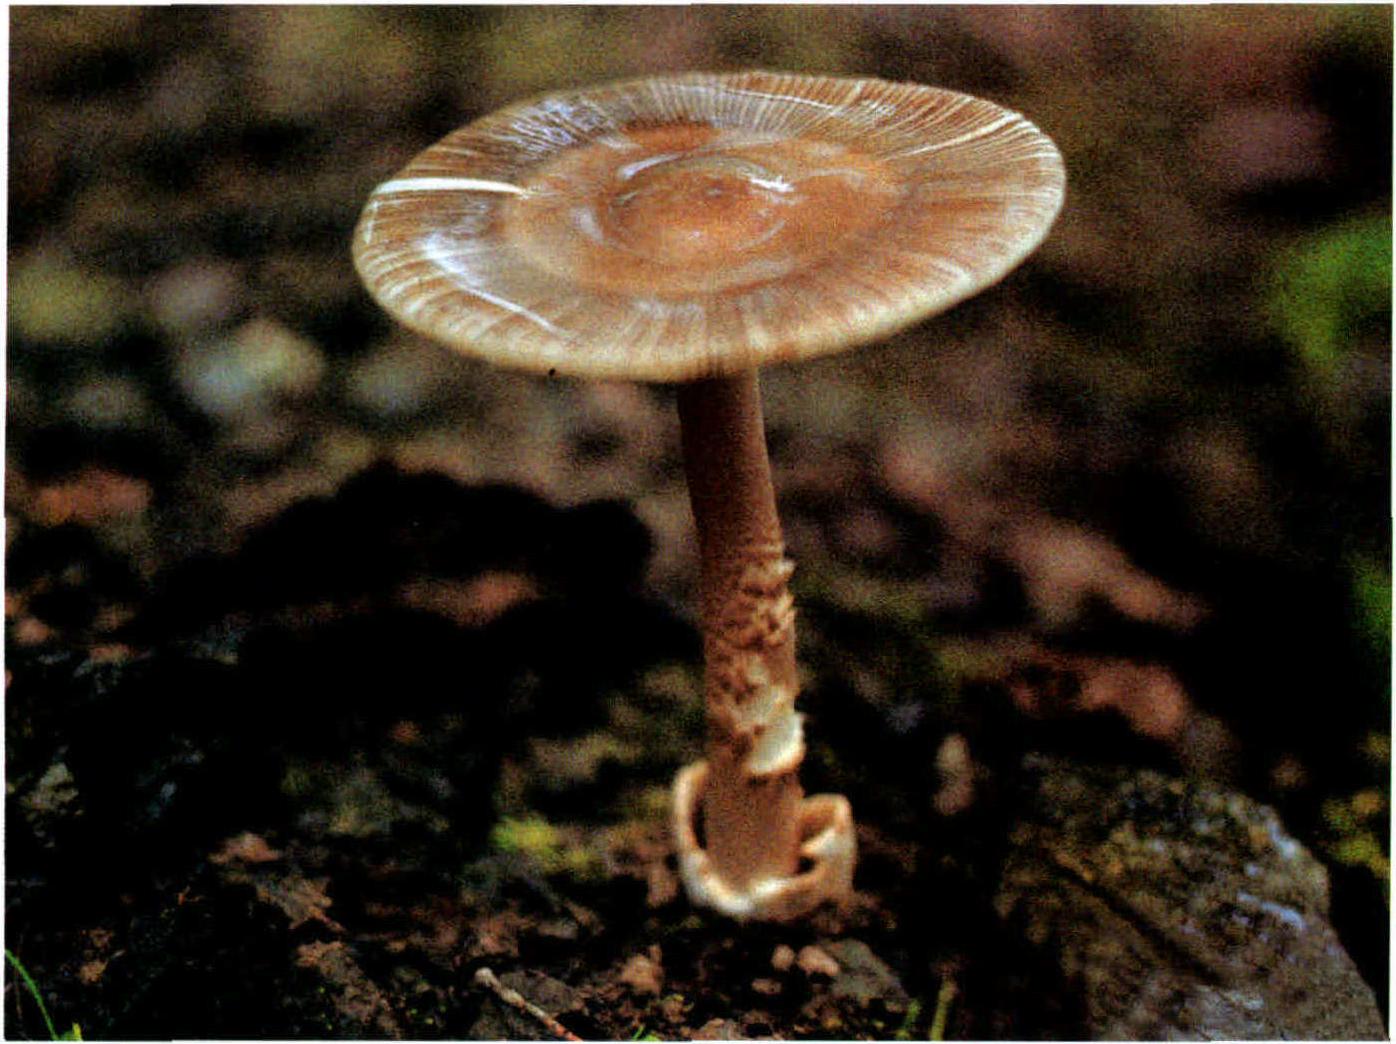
x=907, y=1030
x=1356, y=825
x=528, y=50
x=890, y=601
x=51, y=301
x=1377, y=748
x=1328, y=285
x=1371, y=589
x=545, y=846
x=531, y=835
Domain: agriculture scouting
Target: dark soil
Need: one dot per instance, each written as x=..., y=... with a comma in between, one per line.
x=340, y=669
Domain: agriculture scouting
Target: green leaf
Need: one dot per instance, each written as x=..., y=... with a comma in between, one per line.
x=33, y=988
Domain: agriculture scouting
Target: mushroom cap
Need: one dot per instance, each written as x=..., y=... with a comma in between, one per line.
x=699, y=225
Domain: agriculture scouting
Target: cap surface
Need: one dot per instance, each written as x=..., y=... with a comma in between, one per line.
x=692, y=226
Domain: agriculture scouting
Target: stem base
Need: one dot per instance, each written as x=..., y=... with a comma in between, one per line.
x=826, y=842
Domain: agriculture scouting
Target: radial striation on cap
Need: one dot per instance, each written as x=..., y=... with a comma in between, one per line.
x=700, y=225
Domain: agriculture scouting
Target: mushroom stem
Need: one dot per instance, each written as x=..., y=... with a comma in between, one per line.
x=751, y=795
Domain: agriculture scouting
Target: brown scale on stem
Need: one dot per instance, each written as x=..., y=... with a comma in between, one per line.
x=749, y=615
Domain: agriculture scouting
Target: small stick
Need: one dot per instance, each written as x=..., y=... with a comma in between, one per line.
x=944, y=998
x=486, y=978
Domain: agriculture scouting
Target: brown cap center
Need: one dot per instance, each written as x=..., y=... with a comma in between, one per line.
x=670, y=212
x=691, y=208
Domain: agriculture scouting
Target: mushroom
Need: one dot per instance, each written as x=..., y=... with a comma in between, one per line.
x=690, y=229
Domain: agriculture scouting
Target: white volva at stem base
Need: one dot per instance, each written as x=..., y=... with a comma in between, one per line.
x=827, y=842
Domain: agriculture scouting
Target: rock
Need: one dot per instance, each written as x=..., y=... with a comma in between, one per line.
x=719, y=1029
x=402, y=379
x=195, y=297
x=244, y=373
x=814, y=961
x=1176, y=911
x=108, y=403
x=766, y=987
x=863, y=977
x=49, y=800
x=955, y=767
x=644, y=973
x=782, y=958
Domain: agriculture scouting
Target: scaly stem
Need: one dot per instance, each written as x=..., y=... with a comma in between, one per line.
x=751, y=804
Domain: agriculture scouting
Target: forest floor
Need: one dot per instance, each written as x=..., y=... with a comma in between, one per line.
x=347, y=678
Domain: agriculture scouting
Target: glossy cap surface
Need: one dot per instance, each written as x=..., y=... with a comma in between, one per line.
x=693, y=226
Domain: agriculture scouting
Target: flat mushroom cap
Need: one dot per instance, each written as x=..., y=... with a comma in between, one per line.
x=694, y=226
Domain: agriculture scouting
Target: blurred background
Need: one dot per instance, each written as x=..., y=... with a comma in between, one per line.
x=1143, y=482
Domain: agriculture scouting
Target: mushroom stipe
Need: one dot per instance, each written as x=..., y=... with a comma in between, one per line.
x=691, y=229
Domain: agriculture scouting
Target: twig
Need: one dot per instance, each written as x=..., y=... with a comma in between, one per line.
x=486, y=978
x=944, y=998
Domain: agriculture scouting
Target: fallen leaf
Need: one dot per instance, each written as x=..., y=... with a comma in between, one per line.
x=245, y=848
x=301, y=899
x=94, y=495
x=473, y=602
x=1063, y=566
